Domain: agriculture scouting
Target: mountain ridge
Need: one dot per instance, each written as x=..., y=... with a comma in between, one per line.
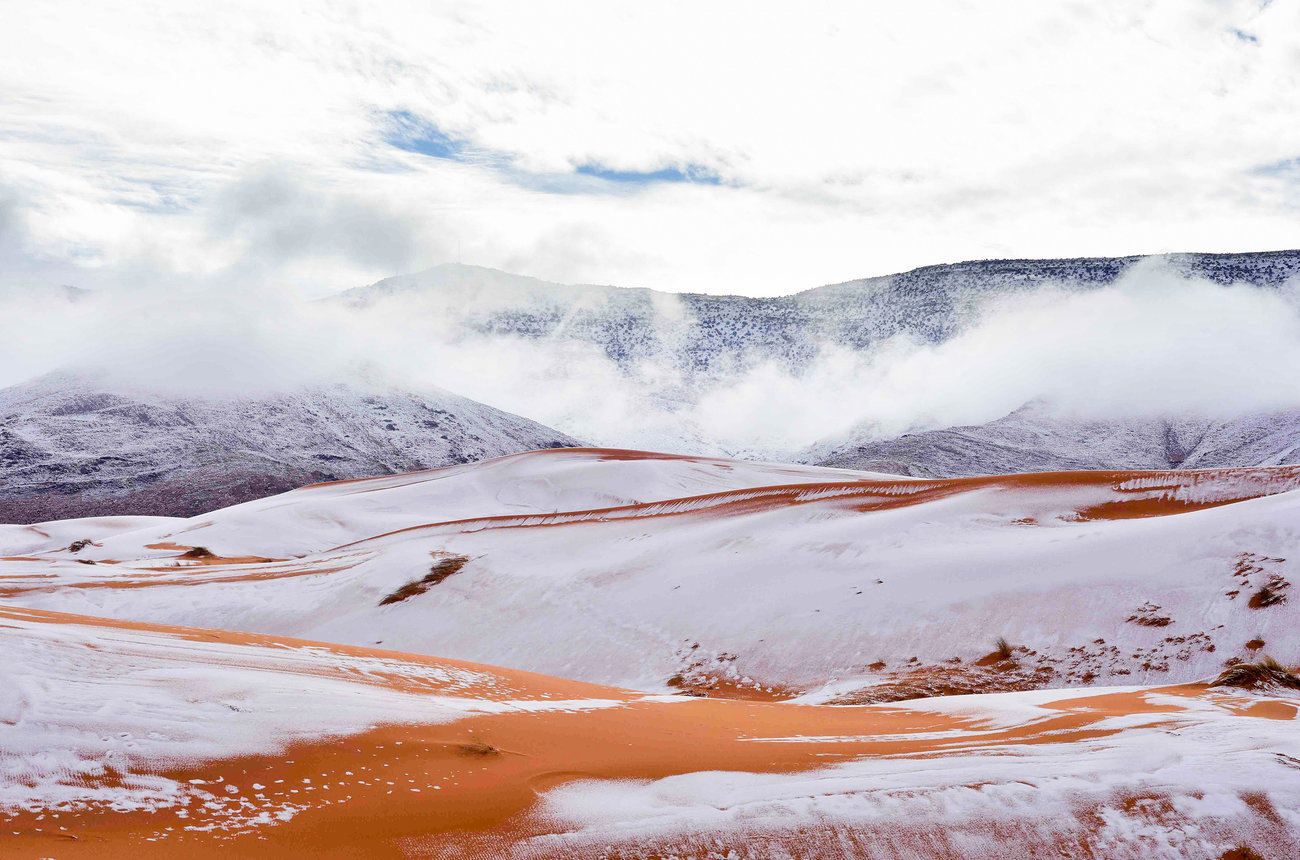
x=695, y=333
x=1217, y=266
x=1036, y=439
x=75, y=446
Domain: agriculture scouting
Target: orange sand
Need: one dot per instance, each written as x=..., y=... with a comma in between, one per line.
x=476, y=779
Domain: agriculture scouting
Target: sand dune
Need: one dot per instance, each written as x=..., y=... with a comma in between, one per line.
x=764, y=660
x=661, y=572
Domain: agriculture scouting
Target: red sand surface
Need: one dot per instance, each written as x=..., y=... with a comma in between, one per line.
x=474, y=781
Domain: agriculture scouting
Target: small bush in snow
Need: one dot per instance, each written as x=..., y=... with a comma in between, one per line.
x=1260, y=675
x=441, y=569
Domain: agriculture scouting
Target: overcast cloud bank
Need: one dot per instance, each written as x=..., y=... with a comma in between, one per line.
x=631, y=144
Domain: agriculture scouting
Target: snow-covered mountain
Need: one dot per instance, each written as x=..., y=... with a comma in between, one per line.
x=1038, y=439
x=762, y=377
x=80, y=446
x=699, y=334
x=70, y=446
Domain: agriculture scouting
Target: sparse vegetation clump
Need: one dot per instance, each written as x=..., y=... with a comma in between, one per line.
x=1148, y=616
x=1260, y=675
x=441, y=569
x=79, y=545
x=1002, y=656
x=198, y=552
x=1266, y=596
x=479, y=748
x=1241, y=852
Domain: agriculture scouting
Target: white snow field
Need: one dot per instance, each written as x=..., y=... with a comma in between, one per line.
x=633, y=569
x=1200, y=772
x=732, y=585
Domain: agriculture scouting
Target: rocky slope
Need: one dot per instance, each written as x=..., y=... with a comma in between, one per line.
x=1034, y=439
x=73, y=446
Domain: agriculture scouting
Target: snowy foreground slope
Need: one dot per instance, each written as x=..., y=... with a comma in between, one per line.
x=80, y=446
x=657, y=571
x=706, y=591
x=132, y=740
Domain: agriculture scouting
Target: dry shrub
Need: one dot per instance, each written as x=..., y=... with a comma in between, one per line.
x=1267, y=595
x=478, y=747
x=1260, y=675
x=441, y=569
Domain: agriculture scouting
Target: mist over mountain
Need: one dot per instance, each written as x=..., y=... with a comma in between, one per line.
x=699, y=334
x=973, y=368
x=1209, y=335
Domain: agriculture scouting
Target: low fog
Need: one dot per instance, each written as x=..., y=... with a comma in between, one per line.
x=1153, y=343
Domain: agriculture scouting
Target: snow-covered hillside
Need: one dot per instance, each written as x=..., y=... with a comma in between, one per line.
x=708, y=590
x=1037, y=439
x=654, y=571
x=74, y=446
x=699, y=334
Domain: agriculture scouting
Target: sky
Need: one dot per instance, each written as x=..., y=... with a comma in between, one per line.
x=724, y=147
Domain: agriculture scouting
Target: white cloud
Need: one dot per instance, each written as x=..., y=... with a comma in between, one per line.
x=848, y=139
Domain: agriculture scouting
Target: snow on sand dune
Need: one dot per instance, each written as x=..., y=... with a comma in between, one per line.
x=655, y=571
x=134, y=740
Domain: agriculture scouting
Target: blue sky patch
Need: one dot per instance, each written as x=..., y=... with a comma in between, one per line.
x=413, y=133
x=1279, y=168
x=692, y=173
